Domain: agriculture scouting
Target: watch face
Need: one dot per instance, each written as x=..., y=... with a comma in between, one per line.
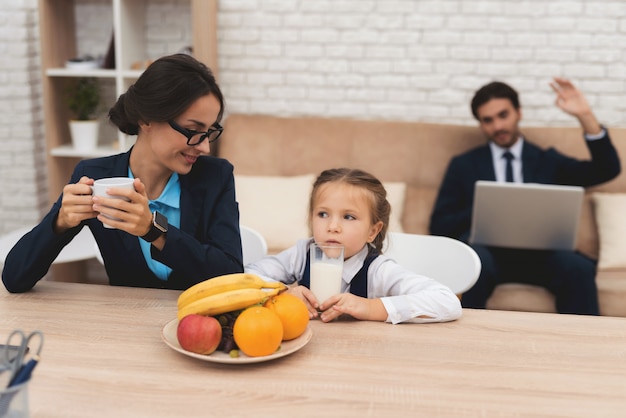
x=160, y=221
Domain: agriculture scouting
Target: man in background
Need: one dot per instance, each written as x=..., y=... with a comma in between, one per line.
x=509, y=156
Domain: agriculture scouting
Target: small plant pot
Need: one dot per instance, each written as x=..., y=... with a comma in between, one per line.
x=84, y=134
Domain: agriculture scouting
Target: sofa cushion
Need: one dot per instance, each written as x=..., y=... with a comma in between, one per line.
x=275, y=206
x=521, y=297
x=611, y=293
x=610, y=210
x=396, y=192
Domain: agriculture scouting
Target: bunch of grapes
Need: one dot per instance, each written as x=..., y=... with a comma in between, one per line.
x=227, y=321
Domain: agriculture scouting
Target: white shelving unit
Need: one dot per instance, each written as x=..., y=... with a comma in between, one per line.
x=70, y=151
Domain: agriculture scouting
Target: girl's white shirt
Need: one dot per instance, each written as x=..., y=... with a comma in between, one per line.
x=405, y=295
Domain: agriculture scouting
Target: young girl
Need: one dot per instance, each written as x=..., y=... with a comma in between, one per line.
x=349, y=208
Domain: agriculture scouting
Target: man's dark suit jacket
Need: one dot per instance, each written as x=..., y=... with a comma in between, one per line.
x=452, y=213
x=208, y=243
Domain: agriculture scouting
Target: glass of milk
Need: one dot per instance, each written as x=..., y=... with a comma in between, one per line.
x=326, y=269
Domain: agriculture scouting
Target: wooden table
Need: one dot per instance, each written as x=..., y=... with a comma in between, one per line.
x=104, y=357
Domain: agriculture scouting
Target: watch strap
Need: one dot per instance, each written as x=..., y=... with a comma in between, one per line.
x=156, y=230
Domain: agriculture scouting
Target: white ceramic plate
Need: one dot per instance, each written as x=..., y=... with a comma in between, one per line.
x=286, y=347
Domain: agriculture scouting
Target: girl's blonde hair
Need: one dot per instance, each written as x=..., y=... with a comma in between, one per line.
x=379, y=206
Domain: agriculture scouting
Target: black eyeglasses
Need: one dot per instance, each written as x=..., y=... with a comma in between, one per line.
x=212, y=134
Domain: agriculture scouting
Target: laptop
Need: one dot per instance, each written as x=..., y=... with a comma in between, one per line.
x=526, y=215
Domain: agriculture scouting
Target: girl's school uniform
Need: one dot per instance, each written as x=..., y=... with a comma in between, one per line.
x=405, y=295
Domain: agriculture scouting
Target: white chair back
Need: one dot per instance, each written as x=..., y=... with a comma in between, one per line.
x=98, y=253
x=444, y=259
x=253, y=245
x=80, y=248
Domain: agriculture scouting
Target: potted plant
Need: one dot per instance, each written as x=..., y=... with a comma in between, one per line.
x=83, y=99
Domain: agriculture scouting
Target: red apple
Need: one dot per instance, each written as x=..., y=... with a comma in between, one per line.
x=199, y=334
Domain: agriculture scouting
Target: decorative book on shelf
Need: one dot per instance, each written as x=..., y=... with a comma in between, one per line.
x=109, y=58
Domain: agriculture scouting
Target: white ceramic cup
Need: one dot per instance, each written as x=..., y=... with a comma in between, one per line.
x=100, y=187
x=326, y=270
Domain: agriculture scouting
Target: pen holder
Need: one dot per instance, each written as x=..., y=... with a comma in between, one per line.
x=14, y=401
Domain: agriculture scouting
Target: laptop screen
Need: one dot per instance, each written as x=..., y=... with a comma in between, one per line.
x=526, y=215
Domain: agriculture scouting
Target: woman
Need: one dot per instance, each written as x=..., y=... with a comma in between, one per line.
x=180, y=224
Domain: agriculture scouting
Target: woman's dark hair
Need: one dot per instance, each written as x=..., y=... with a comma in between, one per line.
x=380, y=208
x=494, y=90
x=165, y=90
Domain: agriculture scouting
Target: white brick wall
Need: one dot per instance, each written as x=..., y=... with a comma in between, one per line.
x=23, y=194
x=419, y=60
x=415, y=60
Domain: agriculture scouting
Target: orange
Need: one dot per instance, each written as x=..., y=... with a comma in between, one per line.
x=292, y=312
x=258, y=331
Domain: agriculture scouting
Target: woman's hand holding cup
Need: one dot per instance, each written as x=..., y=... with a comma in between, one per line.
x=122, y=203
x=109, y=198
x=118, y=202
x=76, y=205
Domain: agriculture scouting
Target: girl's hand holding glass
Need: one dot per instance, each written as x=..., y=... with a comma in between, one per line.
x=355, y=306
x=308, y=297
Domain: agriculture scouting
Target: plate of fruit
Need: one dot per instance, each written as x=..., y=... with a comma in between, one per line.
x=238, y=318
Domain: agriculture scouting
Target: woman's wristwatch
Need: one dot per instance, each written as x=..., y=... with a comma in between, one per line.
x=158, y=227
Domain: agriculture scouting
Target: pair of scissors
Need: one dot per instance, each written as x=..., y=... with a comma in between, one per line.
x=14, y=360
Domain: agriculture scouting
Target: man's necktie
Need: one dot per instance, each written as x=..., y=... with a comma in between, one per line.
x=509, y=166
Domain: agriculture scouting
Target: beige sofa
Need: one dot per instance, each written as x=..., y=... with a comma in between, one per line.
x=416, y=155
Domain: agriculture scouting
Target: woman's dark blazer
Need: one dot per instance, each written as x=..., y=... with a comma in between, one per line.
x=207, y=244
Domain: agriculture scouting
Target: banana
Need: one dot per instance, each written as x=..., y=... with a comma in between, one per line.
x=231, y=300
x=221, y=284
